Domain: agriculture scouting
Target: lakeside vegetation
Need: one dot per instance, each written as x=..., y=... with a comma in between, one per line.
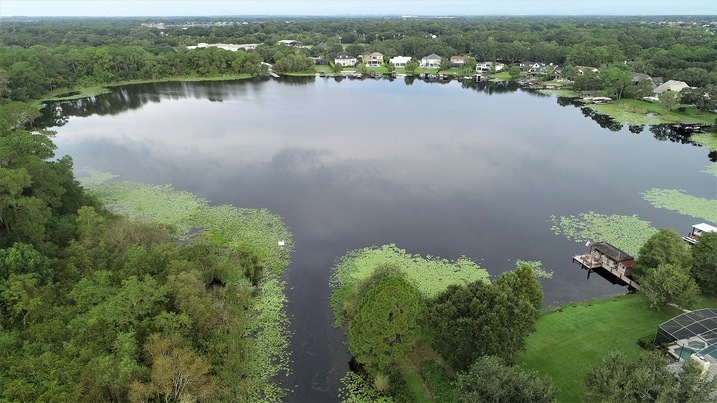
x=106, y=318
x=251, y=232
x=131, y=292
x=413, y=322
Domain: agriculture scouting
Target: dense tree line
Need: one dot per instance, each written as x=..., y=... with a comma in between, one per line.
x=671, y=272
x=37, y=56
x=95, y=307
x=29, y=73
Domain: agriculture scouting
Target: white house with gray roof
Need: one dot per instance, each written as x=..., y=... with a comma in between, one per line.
x=345, y=60
x=431, y=61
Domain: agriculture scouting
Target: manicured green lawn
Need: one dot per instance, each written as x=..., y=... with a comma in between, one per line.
x=576, y=337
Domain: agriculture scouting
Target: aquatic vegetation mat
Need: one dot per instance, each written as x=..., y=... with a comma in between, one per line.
x=626, y=116
x=559, y=93
x=708, y=140
x=683, y=203
x=431, y=274
x=628, y=233
x=711, y=169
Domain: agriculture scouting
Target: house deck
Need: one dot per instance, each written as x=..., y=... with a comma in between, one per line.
x=590, y=262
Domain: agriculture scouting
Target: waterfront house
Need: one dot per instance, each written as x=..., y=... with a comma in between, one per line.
x=400, y=61
x=431, y=61
x=533, y=67
x=670, y=85
x=345, y=60
x=373, y=59
x=458, y=61
x=489, y=66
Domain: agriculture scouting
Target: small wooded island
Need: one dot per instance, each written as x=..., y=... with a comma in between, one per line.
x=117, y=291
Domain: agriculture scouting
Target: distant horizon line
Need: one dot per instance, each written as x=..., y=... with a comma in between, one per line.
x=360, y=15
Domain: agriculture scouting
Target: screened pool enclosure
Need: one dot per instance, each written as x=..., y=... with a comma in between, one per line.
x=692, y=332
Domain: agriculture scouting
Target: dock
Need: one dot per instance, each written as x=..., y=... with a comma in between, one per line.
x=590, y=263
x=609, y=262
x=271, y=73
x=686, y=127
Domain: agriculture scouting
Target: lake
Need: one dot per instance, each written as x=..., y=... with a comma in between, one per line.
x=440, y=169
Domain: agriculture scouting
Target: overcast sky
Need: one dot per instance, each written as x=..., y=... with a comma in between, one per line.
x=111, y=8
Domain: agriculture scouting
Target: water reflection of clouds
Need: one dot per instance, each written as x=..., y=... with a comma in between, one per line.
x=435, y=169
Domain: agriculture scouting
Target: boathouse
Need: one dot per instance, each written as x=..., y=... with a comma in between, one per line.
x=610, y=262
x=697, y=230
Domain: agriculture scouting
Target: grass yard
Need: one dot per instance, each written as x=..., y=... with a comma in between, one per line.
x=635, y=112
x=325, y=68
x=502, y=76
x=574, y=338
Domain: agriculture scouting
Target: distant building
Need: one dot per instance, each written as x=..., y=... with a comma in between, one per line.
x=226, y=46
x=345, y=60
x=400, y=61
x=288, y=42
x=584, y=69
x=373, y=59
x=431, y=61
x=671, y=85
x=637, y=77
x=489, y=66
x=458, y=61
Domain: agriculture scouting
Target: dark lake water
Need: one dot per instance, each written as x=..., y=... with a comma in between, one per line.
x=437, y=169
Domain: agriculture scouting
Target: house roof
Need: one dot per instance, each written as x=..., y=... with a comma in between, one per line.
x=636, y=77
x=458, y=59
x=671, y=85
x=400, y=59
x=433, y=56
x=344, y=57
x=610, y=251
x=373, y=54
x=583, y=69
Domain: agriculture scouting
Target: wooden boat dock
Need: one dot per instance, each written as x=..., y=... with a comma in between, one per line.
x=609, y=260
x=687, y=127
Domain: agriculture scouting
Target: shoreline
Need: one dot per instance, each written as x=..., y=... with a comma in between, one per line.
x=624, y=111
x=94, y=90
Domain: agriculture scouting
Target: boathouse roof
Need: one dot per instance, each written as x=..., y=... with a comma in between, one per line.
x=610, y=251
x=704, y=227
